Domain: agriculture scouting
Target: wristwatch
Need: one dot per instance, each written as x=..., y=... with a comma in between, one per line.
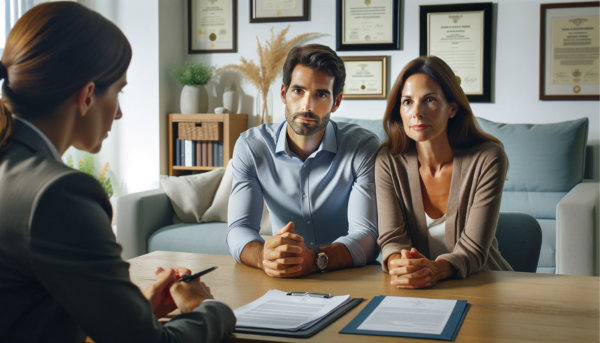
x=322, y=259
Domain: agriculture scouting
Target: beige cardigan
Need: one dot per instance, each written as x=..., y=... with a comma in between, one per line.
x=478, y=176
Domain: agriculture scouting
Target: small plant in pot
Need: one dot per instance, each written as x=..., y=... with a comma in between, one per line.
x=193, y=77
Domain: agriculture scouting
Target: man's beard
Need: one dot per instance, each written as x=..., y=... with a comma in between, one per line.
x=306, y=129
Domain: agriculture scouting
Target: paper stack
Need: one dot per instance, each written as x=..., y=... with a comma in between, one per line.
x=278, y=311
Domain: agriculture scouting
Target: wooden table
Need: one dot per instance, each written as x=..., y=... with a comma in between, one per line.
x=506, y=306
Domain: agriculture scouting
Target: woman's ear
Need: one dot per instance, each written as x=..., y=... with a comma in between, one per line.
x=85, y=98
x=453, y=109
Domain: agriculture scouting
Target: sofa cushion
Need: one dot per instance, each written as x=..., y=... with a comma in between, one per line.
x=191, y=195
x=542, y=157
x=540, y=205
x=375, y=126
x=547, y=261
x=205, y=238
x=217, y=212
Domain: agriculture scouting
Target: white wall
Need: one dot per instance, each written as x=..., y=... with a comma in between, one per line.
x=157, y=30
x=133, y=146
x=172, y=52
x=516, y=63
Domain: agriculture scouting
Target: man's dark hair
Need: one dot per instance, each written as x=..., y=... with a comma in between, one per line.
x=318, y=57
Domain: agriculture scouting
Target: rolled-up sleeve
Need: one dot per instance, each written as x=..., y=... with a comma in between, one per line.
x=245, y=202
x=361, y=240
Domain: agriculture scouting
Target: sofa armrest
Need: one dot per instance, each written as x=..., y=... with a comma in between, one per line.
x=140, y=215
x=577, y=231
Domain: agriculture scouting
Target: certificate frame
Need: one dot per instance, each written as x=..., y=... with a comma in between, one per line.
x=302, y=6
x=195, y=47
x=382, y=95
x=486, y=46
x=566, y=91
x=394, y=44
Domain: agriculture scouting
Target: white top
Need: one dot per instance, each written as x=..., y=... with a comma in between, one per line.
x=44, y=138
x=436, y=236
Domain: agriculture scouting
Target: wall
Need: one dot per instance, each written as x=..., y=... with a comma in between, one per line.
x=157, y=30
x=132, y=148
x=516, y=64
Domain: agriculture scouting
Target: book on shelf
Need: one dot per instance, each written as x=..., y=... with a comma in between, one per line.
x=204, y=154
x=177, y=159
x=210, y=153
x=198, y=153
x=189, y=153
x=182, y=153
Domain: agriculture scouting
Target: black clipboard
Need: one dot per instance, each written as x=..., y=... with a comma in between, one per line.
x=311, y=331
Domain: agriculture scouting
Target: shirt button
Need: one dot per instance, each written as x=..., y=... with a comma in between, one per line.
x=311, y=243
x=304, y=165
x=308, y=222
x=304, y=196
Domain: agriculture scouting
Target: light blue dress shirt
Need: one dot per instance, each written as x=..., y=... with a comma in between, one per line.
x=330, y=197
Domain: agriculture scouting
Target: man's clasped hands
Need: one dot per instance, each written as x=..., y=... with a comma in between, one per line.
x=286, y=255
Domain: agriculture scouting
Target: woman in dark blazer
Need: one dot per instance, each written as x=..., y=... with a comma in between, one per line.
x=61, y=274
x=439, y=181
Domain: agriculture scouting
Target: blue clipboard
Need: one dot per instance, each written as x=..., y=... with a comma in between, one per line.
x=448, y=334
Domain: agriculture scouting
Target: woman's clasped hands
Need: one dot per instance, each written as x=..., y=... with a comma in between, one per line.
x=411, y=270
x=167, y=294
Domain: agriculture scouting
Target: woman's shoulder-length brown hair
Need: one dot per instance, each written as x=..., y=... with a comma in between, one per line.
x=463, y=130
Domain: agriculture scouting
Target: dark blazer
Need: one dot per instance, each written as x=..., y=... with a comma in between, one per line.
x=61, y=272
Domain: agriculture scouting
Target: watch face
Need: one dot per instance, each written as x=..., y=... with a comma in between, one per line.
x=322, y=261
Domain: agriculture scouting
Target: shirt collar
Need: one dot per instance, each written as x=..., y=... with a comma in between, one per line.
x=43, y=136
x=328, y=143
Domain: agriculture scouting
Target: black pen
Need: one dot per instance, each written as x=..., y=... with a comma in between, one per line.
x=188, y=278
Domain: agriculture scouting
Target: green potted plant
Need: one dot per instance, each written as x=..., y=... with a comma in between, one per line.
x=193, y=77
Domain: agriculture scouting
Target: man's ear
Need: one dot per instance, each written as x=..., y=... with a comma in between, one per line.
x=282, y=93
x=85, y=98
x=338, y=101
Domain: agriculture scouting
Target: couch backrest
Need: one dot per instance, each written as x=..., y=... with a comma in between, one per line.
x=546, y=161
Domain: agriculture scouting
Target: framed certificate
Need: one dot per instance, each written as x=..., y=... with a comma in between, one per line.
x=461, y=35
x=212, y=26
x=368, y=25
x=366, y=77
x=268, y=11
x=569, y=46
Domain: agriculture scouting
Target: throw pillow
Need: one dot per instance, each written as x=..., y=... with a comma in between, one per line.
x=191, y=195
x=217, y=212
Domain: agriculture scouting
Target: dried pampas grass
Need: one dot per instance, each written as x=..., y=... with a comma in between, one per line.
x=271, y=58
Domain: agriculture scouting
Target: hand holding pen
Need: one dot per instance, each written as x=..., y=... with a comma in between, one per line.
x=189, y=292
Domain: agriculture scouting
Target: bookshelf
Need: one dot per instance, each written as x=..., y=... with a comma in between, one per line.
x=232, y=126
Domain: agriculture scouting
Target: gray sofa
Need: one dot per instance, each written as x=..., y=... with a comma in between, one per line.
x=545, y=180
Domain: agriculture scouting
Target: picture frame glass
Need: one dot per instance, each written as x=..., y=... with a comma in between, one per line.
x=457, y=38
x=366, y=77
x=212, y=25
x=571, y=64
x=367, y=21
x=272, y=9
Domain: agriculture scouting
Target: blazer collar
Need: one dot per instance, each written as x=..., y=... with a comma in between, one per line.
x=24, y=133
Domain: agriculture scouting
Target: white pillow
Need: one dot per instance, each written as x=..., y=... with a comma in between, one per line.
x=191, y=195
x=217, y=212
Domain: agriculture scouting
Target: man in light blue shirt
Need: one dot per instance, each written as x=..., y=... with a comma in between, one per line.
x=316, y=177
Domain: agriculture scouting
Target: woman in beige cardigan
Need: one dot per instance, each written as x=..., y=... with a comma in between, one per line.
x=439, y=181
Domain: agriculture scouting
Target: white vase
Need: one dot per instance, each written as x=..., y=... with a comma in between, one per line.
x=229, y=99
x=194, y=99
